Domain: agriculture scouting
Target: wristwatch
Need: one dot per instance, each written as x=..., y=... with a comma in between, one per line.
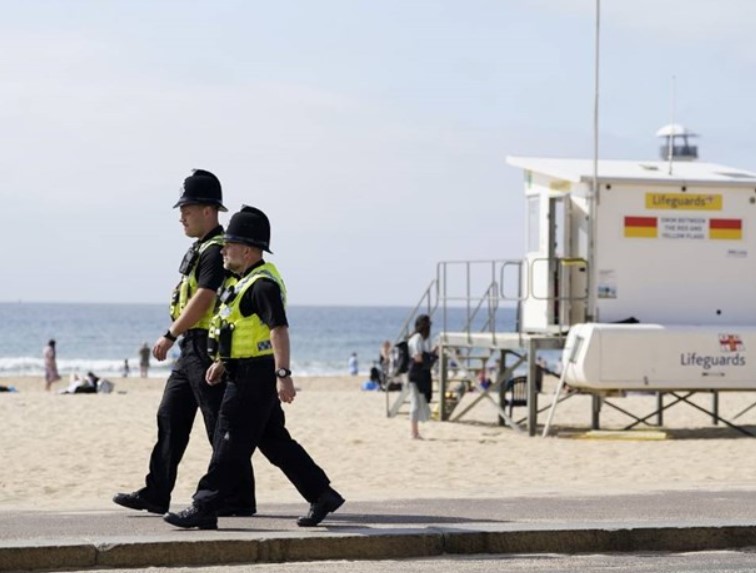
x=283, y=373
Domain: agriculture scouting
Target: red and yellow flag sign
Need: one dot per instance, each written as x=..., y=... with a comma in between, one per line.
x=641, y=227
x=728, y=229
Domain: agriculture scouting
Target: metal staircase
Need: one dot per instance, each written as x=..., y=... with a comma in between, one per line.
x=482, y=289
x=486, y=335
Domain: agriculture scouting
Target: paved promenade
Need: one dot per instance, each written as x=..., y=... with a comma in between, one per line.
x=673, y=521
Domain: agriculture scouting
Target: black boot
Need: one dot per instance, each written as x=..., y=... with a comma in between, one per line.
x=193, y=516
x=329, y=501
x=137, y=501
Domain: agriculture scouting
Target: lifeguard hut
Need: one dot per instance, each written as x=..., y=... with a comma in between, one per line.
x=663, y=300
x=642, y=270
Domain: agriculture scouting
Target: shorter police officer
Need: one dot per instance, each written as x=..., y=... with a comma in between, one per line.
x=192, y=306
x=250, y=336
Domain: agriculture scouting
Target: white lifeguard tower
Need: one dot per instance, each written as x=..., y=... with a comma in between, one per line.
x=664, y=300
x=669, y=248
x=642, y=270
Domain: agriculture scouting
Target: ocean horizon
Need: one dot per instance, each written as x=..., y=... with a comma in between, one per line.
x=100, y=336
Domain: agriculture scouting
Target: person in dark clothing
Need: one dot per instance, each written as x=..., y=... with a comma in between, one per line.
x=419, y=375
x=192, y=306
x=250, y=336
x=144, y=360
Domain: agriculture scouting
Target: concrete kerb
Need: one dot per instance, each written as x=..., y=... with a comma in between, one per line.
x=376, y=545
x=31, y=558
x=270, y=550
x=602, y=540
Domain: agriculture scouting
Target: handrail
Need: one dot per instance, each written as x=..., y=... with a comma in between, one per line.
x=492, y=294
x=518, y=265
x=492, y=303
x=438, y=296
x=562, y=263
x=453, y=287
x=427, y=294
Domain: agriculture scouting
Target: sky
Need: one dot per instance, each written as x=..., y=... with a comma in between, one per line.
x=373, y=133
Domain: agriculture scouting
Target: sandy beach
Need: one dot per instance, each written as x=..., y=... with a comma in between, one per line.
x=75, y=451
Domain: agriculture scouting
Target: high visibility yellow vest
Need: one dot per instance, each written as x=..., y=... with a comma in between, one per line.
x=236, y=336
x=188, y=286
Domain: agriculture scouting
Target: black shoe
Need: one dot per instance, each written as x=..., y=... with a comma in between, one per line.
x=327, y=502
x=137, y=501
x=192, y=516
x=236, y=511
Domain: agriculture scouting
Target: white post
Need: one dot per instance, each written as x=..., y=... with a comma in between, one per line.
x=593, y=197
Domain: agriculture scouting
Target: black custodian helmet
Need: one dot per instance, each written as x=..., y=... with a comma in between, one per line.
x=249, y=226
x=201, y=187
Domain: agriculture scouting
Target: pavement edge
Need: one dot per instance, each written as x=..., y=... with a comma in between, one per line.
x=375, y=545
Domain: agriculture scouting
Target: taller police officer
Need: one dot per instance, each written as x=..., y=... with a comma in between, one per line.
x=251, y=338
x=192, y=306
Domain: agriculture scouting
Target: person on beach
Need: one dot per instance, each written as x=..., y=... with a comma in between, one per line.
x=354, y=369
x=385, y=356
x=144, y=360
x=420, y=381
x=51, y=364
x=484, y=382
x=192, y=305
x=250, y=337
x=78, y=385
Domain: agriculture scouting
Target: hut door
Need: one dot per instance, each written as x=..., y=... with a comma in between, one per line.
x=547, y=239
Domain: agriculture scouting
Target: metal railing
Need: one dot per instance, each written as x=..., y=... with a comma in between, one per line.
x=440, y=296
x=427, y=302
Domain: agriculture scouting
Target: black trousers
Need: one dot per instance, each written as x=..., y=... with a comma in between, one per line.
x=185, y=392
x=251, y=417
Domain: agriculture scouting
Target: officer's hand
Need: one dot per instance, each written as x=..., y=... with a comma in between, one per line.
x=214, y=374
x=286, y=391
x=161, y=348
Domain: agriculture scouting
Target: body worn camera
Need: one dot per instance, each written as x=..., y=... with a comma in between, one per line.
x=225, y=336
x=189, y=260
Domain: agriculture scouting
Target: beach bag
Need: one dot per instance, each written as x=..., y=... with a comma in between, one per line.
x=369, y=385
x=400, y=358
x=105, y=386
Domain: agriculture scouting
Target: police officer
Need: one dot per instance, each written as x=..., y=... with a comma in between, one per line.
x=250, y=336
x=192, y=306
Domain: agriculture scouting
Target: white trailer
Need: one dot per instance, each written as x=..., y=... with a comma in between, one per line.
x=661, y=358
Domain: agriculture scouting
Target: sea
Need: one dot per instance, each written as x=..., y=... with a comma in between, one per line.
x=100, y=337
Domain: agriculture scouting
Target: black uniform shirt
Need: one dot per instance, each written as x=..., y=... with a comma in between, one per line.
x=210, y=272
x=263, y=298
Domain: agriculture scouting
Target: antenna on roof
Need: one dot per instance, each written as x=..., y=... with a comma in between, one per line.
x=676, y=146
x=670, y=146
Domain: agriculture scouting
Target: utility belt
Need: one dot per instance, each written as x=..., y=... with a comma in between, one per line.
x=236, y=365
x=194, y=338
x=195, y=333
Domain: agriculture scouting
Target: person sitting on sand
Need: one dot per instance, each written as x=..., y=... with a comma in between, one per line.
x=78, y=385
x=484, y=382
